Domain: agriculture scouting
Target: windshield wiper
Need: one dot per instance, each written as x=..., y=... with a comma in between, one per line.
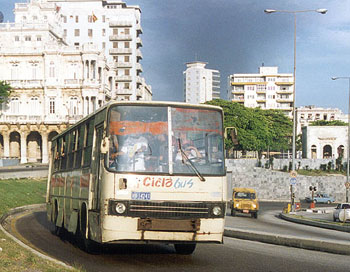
x=189, y=161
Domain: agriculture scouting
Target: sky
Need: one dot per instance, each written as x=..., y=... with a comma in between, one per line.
x=236, y=36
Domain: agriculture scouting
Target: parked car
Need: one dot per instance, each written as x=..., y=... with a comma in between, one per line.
x=320, y=198
x=244, y=200
x=342, y=212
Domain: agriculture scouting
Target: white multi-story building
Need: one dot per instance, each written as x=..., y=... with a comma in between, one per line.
x=54, y=83
x=200, y=84
x=267, y=90
x=111, y=25
x=308, y=114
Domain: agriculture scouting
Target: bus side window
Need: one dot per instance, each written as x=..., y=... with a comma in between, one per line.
x=64, y=152
x=89, y=133
x=55, y=155
x=71, y=149
x=79, y=155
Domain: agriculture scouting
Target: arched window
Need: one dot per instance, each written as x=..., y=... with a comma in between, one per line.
x=327, y=152
x=313, y=152
x=340, y=151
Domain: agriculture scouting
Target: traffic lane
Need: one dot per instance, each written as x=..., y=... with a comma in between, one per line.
x=234, y=255
x=269, y=222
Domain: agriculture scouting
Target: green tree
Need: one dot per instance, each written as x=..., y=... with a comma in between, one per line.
x=5, y=90
x=257, y=129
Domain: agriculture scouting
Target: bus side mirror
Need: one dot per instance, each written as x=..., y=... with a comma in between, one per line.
x=104, y=145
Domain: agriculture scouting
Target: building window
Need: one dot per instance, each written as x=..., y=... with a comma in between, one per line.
x=77, y=19
x=28, y=38
x=127, y=85
x=14, y=71
x=103, y=45
x=103, y=18
x=16, y=38
x=115, y=44
x=73, y=106
x=103, y=32
x=34, y=105
x=38, y=38
x=35, y=18
x=115, y=31
x=127, y=45
x=64, y=19
x=127, y=72
x=52, y=105
x=14, y=105
x=76, y=32
x=126, y=58
x=52, y=69
x=64, y=32
x=34, y=70
x=127, y=31
x=90, y=33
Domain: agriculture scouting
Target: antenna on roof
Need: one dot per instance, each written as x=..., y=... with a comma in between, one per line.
x=262, y=64
x=1, y=17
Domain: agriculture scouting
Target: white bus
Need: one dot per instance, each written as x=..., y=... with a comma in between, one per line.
x=141, y=172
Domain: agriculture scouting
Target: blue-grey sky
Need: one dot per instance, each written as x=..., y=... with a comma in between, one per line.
x=236, y=36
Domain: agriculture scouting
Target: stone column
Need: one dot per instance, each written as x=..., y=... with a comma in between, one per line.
x=23, y=147
x=6, y=136
x=45, y=155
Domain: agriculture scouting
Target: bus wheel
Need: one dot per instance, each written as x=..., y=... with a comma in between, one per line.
x=184, y=249
x=85, y=243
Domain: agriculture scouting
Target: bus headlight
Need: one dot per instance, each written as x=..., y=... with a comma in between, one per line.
x=120, y=208
x=217, y=210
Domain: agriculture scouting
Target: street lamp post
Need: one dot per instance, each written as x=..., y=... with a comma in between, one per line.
x=294, y=12
x=348, y=148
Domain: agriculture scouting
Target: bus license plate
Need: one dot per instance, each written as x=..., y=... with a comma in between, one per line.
x=141, y=195
x=246, y=211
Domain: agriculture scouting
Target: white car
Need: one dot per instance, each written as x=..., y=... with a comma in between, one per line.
x=342, y=212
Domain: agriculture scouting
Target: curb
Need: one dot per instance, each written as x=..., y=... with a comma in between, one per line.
x=314, y=223
x=290, y=241
x=39, y=254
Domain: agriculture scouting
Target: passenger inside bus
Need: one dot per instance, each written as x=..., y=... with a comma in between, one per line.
x=158, y=158
x=188, y=148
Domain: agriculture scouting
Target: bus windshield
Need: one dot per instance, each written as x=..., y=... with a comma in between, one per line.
x=165, y=140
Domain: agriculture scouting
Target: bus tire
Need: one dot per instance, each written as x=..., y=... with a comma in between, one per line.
x=85, y=243
x=185, y=249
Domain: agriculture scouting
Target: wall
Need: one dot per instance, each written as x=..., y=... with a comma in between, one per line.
x=273, y=185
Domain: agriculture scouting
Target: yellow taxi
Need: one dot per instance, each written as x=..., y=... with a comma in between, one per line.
x=244, y=200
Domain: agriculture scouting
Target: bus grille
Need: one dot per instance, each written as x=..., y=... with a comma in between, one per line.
x=168, y=210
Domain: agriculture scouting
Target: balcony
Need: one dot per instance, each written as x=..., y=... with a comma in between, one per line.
x=123, y=78
x=39, y=119
x=139, y=41
x=248, y=83
x=284, y=83
x=123, y=65
x=285, y=91
x=121, y=51
x=26, y=84
x=120, y=24
x=139, y=54
x=73, y=82
x=139, y=67
x=124, y=92
x=120, y=38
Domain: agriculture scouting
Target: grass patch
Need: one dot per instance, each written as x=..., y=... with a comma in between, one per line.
x=15, y=193
x=318, y=172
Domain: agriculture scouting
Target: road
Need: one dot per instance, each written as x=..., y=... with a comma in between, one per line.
x=234, y=255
